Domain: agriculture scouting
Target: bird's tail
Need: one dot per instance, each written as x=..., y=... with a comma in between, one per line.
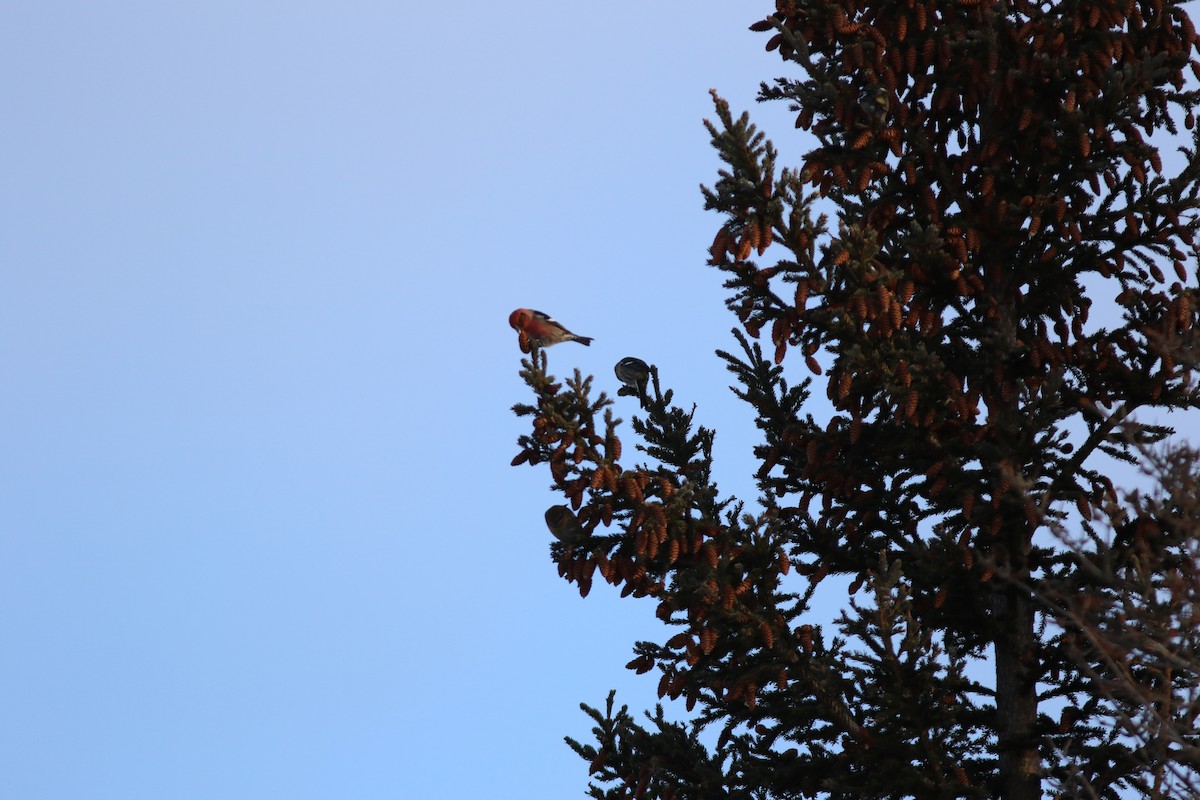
x=586, y=341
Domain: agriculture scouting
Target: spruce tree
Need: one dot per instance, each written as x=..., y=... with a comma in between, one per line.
x=995, y=173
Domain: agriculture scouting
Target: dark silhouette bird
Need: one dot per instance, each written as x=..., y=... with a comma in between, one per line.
x=563, y=523
x=635, y=374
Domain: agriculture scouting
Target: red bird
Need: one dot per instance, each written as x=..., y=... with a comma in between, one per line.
x=540, y=329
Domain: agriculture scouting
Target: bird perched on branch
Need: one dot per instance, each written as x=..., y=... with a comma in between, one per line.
x=563, y=523
x=875, y=104
x=635, y=374
x=536, y=328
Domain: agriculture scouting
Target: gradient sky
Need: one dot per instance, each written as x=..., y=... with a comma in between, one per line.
x=259, y=536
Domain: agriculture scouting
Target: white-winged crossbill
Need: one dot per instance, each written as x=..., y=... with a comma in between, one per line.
x=635, y=374
x=563, y=523
x=541, y=329
x=875, y=103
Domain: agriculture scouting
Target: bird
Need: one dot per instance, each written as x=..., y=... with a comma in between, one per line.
x=563, y=523
x=875, y=104
x=635, y=374
x=537, y=328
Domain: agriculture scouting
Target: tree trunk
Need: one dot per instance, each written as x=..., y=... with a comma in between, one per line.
x=1016, y=698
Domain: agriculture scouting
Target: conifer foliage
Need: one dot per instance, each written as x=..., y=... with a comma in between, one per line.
x=997, y=172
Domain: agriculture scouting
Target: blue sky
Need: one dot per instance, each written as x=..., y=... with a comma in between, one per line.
x=258, y=532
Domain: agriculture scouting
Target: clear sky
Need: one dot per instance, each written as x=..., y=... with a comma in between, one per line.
x=259, y=536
